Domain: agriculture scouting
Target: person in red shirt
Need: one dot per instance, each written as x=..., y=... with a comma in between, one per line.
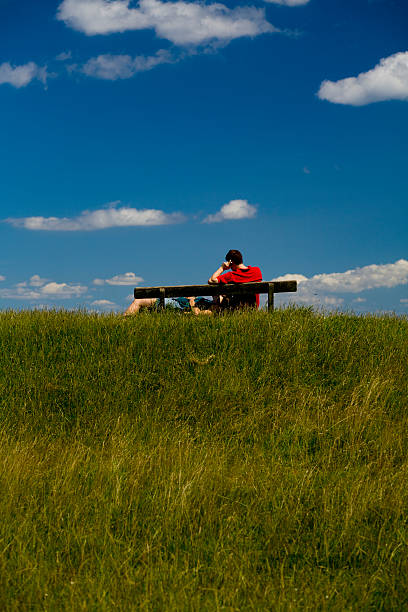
x=233, y=270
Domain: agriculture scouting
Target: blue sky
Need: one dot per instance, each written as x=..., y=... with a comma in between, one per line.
x=143, y=140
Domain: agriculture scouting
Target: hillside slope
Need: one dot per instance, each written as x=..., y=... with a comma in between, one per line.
x=168, y=462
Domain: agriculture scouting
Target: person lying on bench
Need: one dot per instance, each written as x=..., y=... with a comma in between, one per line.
x=196, y=305
x=233, y=270
x=199, y=305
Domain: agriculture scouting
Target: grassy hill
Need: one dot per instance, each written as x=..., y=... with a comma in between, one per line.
x=170, y=462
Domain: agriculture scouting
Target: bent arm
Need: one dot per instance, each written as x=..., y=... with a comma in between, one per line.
x=213, y=280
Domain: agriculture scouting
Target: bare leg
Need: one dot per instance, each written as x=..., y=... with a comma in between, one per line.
x=195, y=310
x=137, y=304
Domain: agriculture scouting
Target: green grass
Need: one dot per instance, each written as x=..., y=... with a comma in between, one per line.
x=166, y=462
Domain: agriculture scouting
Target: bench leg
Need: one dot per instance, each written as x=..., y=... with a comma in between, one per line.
x=270, y=299
x=161, y=298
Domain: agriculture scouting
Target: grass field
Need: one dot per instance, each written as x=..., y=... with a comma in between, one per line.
x=167, y=462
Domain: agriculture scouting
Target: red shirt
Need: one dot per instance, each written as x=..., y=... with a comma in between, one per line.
x=251, y=275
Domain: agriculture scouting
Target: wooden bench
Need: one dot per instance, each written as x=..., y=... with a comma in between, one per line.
x=217, y=289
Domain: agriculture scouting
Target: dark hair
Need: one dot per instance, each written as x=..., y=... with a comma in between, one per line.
x=234, y=256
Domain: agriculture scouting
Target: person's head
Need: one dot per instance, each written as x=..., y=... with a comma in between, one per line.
x=234, y=256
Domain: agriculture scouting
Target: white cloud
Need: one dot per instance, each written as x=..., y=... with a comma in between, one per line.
x=297, y=277
x=357, y=279
x=62, y=290
x=329, y=300
x=289, y=2
x=360, y=300
x=20, y=76
x=64, y=56
x=235, y=209
x=2, y=278
x=183, y=23
x=104, y=304
x=35, y=281
x=314, y=290
x=100, y=219
x=50, y=290
x=388, y=80
x=101, y=16
x=113, y=67
x=19, y=293
x=360, y=279
x=128, y=278
x=404, y=301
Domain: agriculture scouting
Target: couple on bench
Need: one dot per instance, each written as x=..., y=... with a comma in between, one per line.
x=232, y=270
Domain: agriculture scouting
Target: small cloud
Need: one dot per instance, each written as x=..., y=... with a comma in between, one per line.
x=37, y=281
x=104, y=304
x=329, y=300
x=62, y=290
x=297, y=277
x=182, y=23
x=404, y=301
x=128, y=278
x=114, y=67
x=235, y=209
x=360, y=300
x=99, y=219
x=388, y=80
x=306, y=170
x=71, y=68
x=2, y=278
x=20, y=76
x=289, y=2
x=64, y=56
x=19, y=292
x=24, y=291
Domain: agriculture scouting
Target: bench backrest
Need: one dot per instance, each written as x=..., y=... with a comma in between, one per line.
x=217, y=289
